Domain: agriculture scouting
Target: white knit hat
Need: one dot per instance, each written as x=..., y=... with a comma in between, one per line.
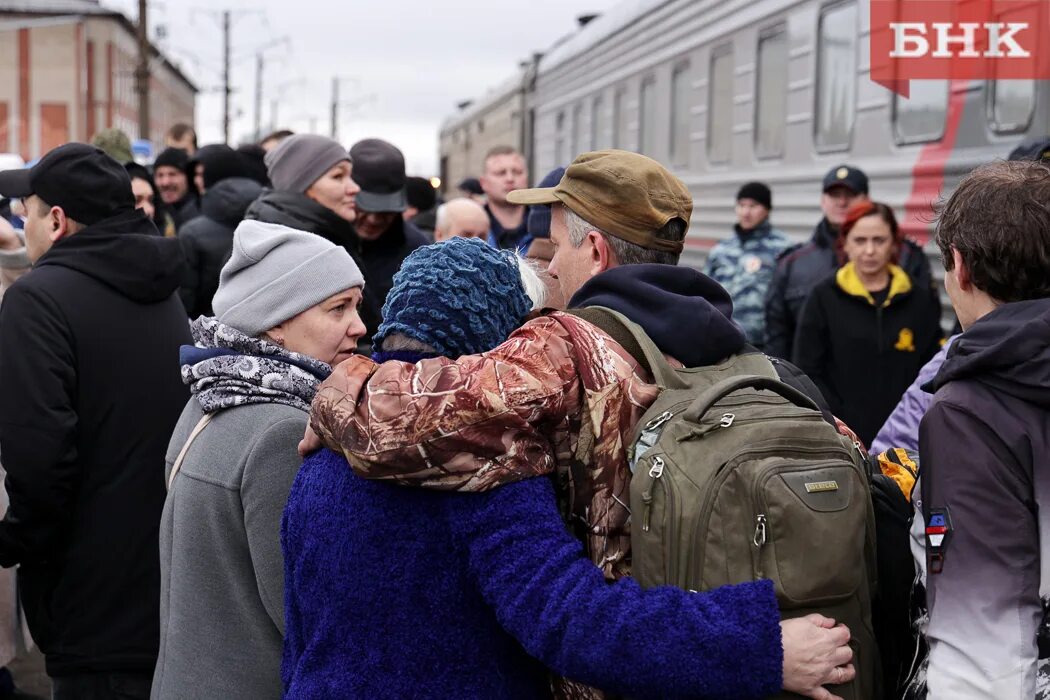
x=275, y=272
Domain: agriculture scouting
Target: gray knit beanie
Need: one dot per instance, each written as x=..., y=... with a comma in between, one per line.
x=275, y=273
x=300, y=160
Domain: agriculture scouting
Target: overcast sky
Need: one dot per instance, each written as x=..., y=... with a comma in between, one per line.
x=406, y=62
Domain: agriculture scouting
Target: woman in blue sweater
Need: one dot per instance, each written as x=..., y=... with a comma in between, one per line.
x=394, y=592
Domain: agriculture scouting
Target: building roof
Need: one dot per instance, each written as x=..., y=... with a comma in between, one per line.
x=84, y=8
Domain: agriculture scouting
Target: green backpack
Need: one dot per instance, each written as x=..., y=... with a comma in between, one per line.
x=738, y=477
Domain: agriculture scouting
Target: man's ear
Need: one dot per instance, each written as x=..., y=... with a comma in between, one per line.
x=962, y=273
x=59, y=224
x=603, y=257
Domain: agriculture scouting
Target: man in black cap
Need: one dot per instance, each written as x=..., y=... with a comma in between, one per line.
x=176, y=187
x=801, y=267
x=386, y=238
x=89, y=351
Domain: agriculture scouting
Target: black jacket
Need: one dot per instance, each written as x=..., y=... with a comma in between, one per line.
x=300, y=212
x=984, y=443
x=862, y=356
x=802, y=267
x=89, y=365
x=186, y=209
x=208, y=240
x=383, y=257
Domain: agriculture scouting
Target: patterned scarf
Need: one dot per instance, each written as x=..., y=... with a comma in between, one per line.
x=227, y=368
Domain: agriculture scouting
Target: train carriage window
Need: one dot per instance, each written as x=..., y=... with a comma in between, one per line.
x=836, y=77
x=921, y=117
x=618, y=121
x=720, y=107
x=599, y=123
x=771, y=95
x=680, y=115
x=647, y=117
x=576, y=145
x=559, y=138
x=1011, y=104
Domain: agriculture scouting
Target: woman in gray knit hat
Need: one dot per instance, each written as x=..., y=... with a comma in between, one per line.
x=314, y=190
x=286, y=310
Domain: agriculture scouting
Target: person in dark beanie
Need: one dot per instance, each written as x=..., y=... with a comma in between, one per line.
x=801, y=267
x=213, y=163
x=89, y=347
x=744, y=262
x=314, y=190
x=421, y=211
x=176, y=189
x=470, y=187
x=255, y=159
x=207, y=239
x=146, y=199
x=386, y=238
x=536, y=244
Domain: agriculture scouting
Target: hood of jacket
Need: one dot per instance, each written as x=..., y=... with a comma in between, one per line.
x=685, y=312
x=227, y=201
x=1007, y=350
x=849, y=282
x=125, y=253
x=298, y=211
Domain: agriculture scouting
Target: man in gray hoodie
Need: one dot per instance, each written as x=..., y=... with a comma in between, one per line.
x=985, y=480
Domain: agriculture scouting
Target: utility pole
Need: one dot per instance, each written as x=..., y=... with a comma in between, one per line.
x=258, y=95
x=142, y=74
x=335, y=109
x=226, y=90
x=273, y=114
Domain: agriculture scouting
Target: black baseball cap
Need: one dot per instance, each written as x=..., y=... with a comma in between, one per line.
x=86, y=183
x=379, y=169
x=847, y=176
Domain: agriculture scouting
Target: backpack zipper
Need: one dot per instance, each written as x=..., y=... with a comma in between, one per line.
x=656, y=472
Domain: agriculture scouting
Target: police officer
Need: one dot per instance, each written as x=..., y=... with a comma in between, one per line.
x=744, y=263
x=801, y=267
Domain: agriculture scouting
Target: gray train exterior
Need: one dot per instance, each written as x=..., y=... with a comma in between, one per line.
x=728, y=91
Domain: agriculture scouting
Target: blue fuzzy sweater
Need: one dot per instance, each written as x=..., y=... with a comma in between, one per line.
x=394, y=592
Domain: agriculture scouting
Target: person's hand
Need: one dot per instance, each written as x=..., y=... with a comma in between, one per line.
x=310, y=443
x=816, y=653
x=9, y=240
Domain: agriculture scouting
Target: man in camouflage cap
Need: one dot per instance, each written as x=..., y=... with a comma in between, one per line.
x=618, y=223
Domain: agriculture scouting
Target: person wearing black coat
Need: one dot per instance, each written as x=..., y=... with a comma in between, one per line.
x=89, y=352
x=801, y=267
x=866, y=331
x=207, y=240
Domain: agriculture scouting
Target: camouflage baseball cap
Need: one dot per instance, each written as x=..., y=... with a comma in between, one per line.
x=625, y=194
x=115, y=143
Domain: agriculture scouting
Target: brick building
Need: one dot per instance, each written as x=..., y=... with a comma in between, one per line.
x=67, y=71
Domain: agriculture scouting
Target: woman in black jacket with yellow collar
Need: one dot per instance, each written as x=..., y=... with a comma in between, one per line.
x=866, y=331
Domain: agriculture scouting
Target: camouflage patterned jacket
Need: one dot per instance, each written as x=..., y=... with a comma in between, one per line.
x=744, y=265
x=515, y=412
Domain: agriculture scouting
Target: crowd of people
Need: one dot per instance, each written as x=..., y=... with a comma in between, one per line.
x=279, y=422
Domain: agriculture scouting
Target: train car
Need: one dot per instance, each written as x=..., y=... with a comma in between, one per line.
x=727, y=91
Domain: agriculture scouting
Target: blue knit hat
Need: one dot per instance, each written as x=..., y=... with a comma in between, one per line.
x=538, y=224
x=460, y=296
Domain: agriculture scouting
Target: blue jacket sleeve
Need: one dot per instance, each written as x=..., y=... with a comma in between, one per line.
x=659, y=643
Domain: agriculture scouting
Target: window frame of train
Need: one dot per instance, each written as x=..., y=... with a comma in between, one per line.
x=766, y=38
x=992, y=91
x=559, y=136
x=576, y=133
x=647, y=116
x=597, y=116
x=716, y=157
x=619, y=102
x=678, y=119
x=920, y=90
x=822, y=142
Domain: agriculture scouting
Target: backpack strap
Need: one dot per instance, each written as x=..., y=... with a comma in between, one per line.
x=724, y=388
x=632, y=338
x=201, y=425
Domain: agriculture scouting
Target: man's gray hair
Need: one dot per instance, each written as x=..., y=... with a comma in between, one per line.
x=627, y=253
x=441, y=219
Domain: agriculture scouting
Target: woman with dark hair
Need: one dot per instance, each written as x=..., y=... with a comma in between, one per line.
x=145, y=191
x=866, y=331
